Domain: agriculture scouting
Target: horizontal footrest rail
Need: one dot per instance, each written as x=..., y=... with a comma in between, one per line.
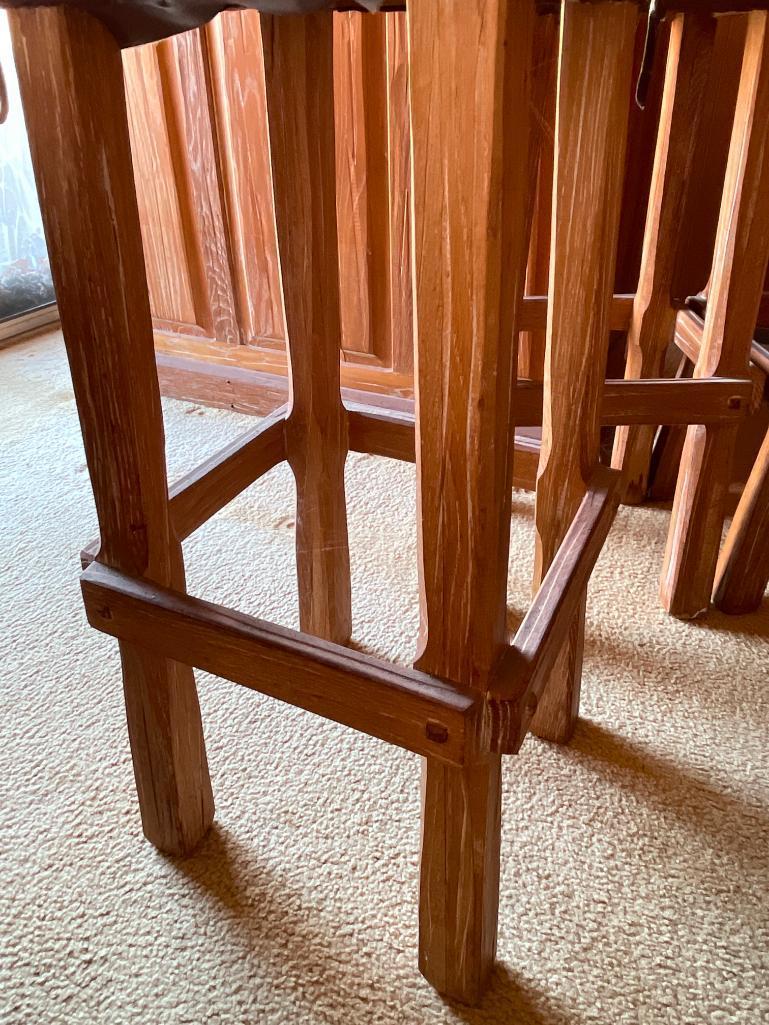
x=402, y=706
x=405, y=707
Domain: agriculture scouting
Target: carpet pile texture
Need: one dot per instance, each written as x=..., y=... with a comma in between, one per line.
x=635, y=864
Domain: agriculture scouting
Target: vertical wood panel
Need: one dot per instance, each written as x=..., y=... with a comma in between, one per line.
x=199, y=114
x=401, y=287
x=170, y=287
x=360, y=97
x=180, y=204
x=237, y=77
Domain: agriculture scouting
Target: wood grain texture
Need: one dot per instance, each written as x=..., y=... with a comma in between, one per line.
x=696, y=229
x=234, y=50
x=544, y=74
x=399, y=164
x=739, y=270
x=71, y=79
x=180, y=204
x=373, y=193
x=470, y=64
x=299, y=79
x=690, y=328
x=596, y=58
x=402, y=706
x=654, y=315
x=363, y=208
x=534, y=313
x=712, y=400
x=742, y=572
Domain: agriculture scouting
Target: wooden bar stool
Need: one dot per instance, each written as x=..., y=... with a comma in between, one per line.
x=473, y=694
x=691, y=226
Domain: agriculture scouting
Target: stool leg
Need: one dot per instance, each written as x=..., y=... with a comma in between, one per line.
x=654, y=315
x=743, y=566
x=742, y=250
x=590, y=154
x=469, y=65
x=299, y=78
x=71, y=77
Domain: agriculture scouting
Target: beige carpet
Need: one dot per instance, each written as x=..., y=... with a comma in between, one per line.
x=635, y=868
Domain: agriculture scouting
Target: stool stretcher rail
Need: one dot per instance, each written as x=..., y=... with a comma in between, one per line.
x=410, y=709
x=204, y=491
x=404, y=707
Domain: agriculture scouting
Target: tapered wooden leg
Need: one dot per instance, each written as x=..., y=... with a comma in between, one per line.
x=459, y=879
x=470, y=62
x=742, y=573
x=654, y=315
x=739, y=268
x=299, y=78
x=71, y=78
x=590, y=151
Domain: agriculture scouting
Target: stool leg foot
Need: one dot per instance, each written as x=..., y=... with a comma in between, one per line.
x=169, y=757
x=459, y=883
x=697, y=520
x=558, y=710
x=71, y=78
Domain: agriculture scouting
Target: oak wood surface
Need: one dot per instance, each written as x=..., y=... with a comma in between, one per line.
x=402, y=706
x=233, y=48
x=695, y=233
x=361, y=107
x=736, y=286
x=71, y=79
x=667, y=448
x=470, y=63
x=227, y=117
x=299, y=83
x=382, y=431
x=665, y=401
x=654, y=314
x=180, y=203
x=544, y=68
x=591, y=129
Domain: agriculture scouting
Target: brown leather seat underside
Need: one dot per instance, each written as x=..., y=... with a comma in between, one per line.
x=144, y=21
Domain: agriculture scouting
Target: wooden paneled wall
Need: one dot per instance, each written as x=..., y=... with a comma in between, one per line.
x=199, y=137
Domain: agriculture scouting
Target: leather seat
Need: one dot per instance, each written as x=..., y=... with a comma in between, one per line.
x=133, y=22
